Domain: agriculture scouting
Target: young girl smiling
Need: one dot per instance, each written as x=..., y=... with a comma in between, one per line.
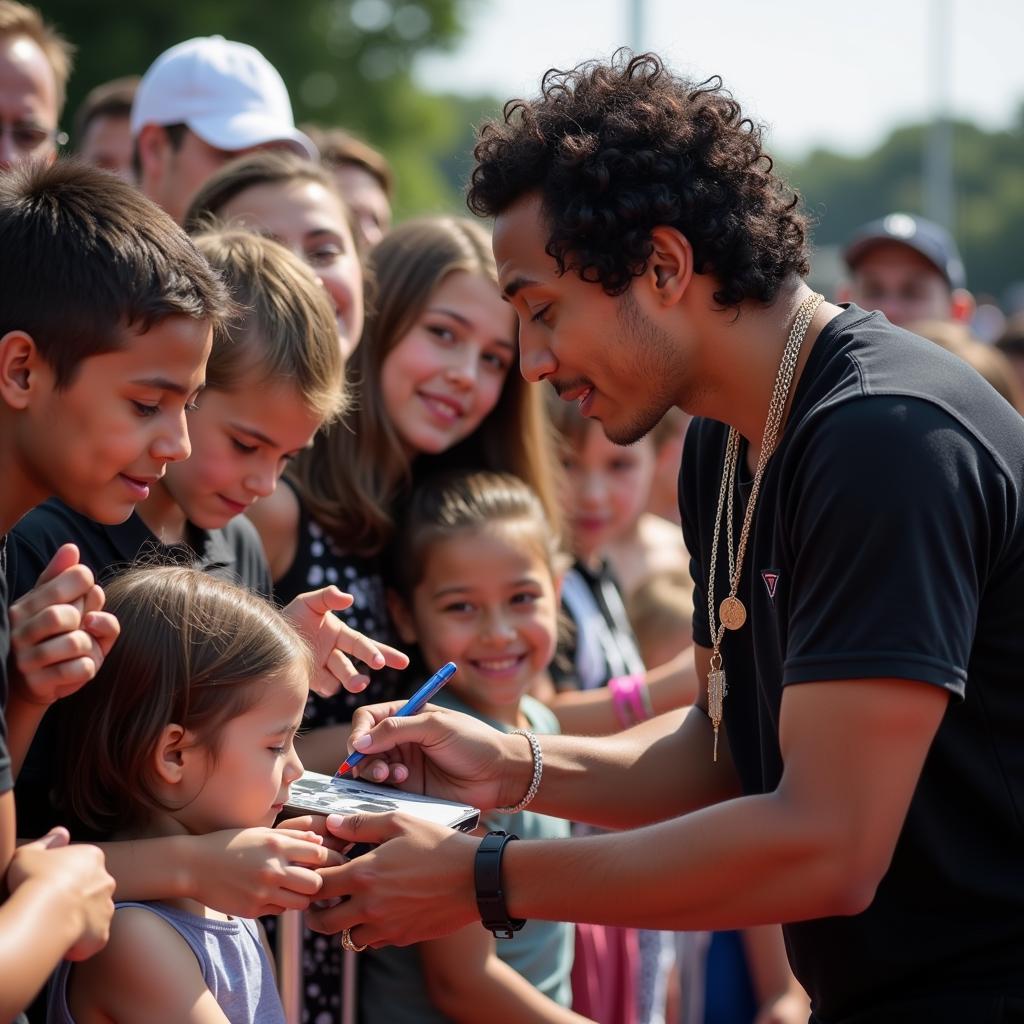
x=475, y=571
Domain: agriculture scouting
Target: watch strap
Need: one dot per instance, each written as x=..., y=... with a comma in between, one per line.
x=490, y=896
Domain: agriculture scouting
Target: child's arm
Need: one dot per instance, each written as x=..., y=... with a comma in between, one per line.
x=592, y=712
x=467, y=982
x=59, y=638
x=60, y=906
x=780, y=998
x=242, y=872
x=147, y=974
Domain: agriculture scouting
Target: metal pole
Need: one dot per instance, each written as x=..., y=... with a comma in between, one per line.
x=939, y=200
x=349, y=987
x=289, y=964
x=635, y=28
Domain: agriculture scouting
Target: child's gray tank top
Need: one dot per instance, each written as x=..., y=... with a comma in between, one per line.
x=234, y=965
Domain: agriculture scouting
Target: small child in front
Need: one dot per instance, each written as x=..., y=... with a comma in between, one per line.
x=187, y=729
x=475, y=575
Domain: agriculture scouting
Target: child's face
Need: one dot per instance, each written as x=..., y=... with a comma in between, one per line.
x=488, y=602
x=444, y=376
x=101, y=443
x=606, y=488
x=310, y=220
x=241, y=442
x=246, y=782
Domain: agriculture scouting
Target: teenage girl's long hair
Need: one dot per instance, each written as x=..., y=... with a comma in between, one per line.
x=356, y=470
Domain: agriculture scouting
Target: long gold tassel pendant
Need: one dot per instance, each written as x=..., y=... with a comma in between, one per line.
x=716, y=696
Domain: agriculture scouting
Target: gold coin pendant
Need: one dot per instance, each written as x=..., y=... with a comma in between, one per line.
x=732, y=613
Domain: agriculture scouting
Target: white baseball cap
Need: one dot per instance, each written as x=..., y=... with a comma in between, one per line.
x=228, y=93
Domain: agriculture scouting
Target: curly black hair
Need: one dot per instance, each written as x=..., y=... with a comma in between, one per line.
x=617, y=149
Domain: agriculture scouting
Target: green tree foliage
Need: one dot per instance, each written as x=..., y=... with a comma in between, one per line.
x=346, y=62
x=843, y=192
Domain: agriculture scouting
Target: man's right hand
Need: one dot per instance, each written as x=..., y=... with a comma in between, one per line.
x=255, y=871
x=442, y=753
x=79, y=871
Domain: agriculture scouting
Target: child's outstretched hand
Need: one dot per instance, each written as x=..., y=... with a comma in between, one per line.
x=59, y=634
x=255, y=871
x=334, y=643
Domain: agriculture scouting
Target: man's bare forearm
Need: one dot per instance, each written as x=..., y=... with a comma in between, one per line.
x=653, y=771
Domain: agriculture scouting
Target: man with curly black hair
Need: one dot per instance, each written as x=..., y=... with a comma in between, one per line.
x=853, y=499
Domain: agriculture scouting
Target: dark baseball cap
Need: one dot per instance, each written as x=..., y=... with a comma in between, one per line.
x=926, y=237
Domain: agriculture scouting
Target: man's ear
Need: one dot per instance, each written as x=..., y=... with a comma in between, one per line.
x=173, y=754
x=962, y=305
x=153, y=144
x=20, y=365
x=670, y=264
x=401, y=617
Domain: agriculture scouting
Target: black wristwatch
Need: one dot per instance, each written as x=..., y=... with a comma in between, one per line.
x=490, y=897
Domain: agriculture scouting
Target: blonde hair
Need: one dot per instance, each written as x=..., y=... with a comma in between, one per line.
x=191, y=648
x=286, y=326
x=660, y=608
x=21, y=20
x=350, y=479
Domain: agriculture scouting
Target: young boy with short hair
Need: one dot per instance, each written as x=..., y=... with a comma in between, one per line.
x=106, y=315
x=274, y=376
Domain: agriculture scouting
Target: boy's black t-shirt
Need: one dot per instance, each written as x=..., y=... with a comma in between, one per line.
x=888, y=541
x=6, y=778
x=234, y=553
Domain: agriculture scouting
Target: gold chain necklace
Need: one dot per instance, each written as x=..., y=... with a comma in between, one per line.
x=731, y=612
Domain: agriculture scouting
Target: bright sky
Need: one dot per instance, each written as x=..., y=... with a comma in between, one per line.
x=819, y=72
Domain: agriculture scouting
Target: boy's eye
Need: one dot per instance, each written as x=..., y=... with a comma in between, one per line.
x=540, y=314
x=457, y=606
x=245, y=449
x=145, y=410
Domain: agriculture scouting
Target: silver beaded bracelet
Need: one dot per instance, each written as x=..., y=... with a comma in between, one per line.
x=538, y=770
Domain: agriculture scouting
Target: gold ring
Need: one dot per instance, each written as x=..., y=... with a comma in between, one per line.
x=347, y=944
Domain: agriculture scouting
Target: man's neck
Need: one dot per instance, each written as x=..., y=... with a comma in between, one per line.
x=741, y=356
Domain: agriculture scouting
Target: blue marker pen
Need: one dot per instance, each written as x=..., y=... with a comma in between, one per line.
x=414, y=703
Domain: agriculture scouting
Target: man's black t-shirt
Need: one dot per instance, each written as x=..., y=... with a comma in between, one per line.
x=888, y=541
x=233, y=553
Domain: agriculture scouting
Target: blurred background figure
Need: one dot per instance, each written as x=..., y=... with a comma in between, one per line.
x=295, y=202
x=35, y=62
x=909, y=268
x=1011, y=344
x=200, y=104
x=103, y=134
x=364, y=178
